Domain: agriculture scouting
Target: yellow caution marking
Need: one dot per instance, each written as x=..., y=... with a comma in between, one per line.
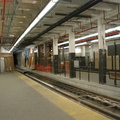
x=77, y=111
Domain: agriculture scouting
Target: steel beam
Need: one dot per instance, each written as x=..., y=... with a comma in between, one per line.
x=69, y=16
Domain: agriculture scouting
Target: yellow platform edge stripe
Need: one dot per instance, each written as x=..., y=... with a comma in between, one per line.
x=76, y=111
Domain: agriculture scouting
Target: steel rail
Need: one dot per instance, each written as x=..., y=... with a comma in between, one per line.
x=100, y=103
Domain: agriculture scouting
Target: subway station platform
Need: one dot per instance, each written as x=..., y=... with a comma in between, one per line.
x=23, y=99
x=110, y=91
x=106, y=90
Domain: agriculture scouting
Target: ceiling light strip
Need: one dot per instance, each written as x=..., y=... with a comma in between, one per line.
x=96, y=40
x=49, y=6
x=92, y=35
x=110, y=37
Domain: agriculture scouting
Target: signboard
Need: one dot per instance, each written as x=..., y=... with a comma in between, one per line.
x=111, y=50
x=118, y=49
x=114, y=50
x=76, y=63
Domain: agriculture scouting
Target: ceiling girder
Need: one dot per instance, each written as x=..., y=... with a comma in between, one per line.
x=69, y=16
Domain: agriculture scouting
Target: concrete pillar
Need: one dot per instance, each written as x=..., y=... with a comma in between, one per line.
x=39, y=55
x=55, y=55
x=102, y=50
x=83, y=51
x=72, y=53
x=91, y=52
x=45, y=54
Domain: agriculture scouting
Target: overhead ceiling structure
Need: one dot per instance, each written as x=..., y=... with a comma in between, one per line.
x=79, y=15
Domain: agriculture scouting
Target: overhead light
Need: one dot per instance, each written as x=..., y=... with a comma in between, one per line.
x=112, y=29
x=35, y=50
x=34, y=2
x=81, y=44
x=90, y=46
x=96, y=40
x=25, y=9
x=110, y=37
x=24, y=16
x=63, y=43
x=88, y=36
x=76, y=45
x=12, y=35
x=49, y=6
x=92, y=35
x=66, y=47
x=20, y=16
x=77, y=50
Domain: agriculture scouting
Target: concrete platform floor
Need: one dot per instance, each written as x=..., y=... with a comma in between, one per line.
x=23, y=99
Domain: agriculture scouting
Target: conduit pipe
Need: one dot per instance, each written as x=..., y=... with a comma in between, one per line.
x=91, y=28
x=96, y=37
x=71, y=15
x=96, y=25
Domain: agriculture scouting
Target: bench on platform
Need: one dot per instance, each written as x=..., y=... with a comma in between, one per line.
x=112, y=75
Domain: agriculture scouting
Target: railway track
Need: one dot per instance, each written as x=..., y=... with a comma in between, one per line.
x=105, y=105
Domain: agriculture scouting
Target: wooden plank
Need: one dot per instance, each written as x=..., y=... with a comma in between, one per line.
x=96, y=60
x=117, y=62
x=9, y=63
x=6, y=54
x=109, y=62
x=5, y=62
x=13, y=68
x=112, y=75
x=32, y=61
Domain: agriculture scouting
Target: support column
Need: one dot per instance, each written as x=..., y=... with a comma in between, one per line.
x=72, y=53
x=39, y=54
x=83, y=51
x=45, y=54
x=55, y=55
x=102, y=50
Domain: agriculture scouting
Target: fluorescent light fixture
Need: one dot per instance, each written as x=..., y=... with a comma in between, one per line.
x=35, y=50
x=25, y=9
x=77, y=50
x=63, y=43
x=92, y=35
x=34, y=2
x=81, y=44
x=49, y=6
x=20, y=16
x=112, y=29
x=12, y=35
x=96, y=40
x=66, y=47
x=110, y=37
x=88, y=36
x=76, y=45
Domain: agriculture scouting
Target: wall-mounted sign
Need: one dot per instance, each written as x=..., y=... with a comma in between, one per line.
x=76, y=63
